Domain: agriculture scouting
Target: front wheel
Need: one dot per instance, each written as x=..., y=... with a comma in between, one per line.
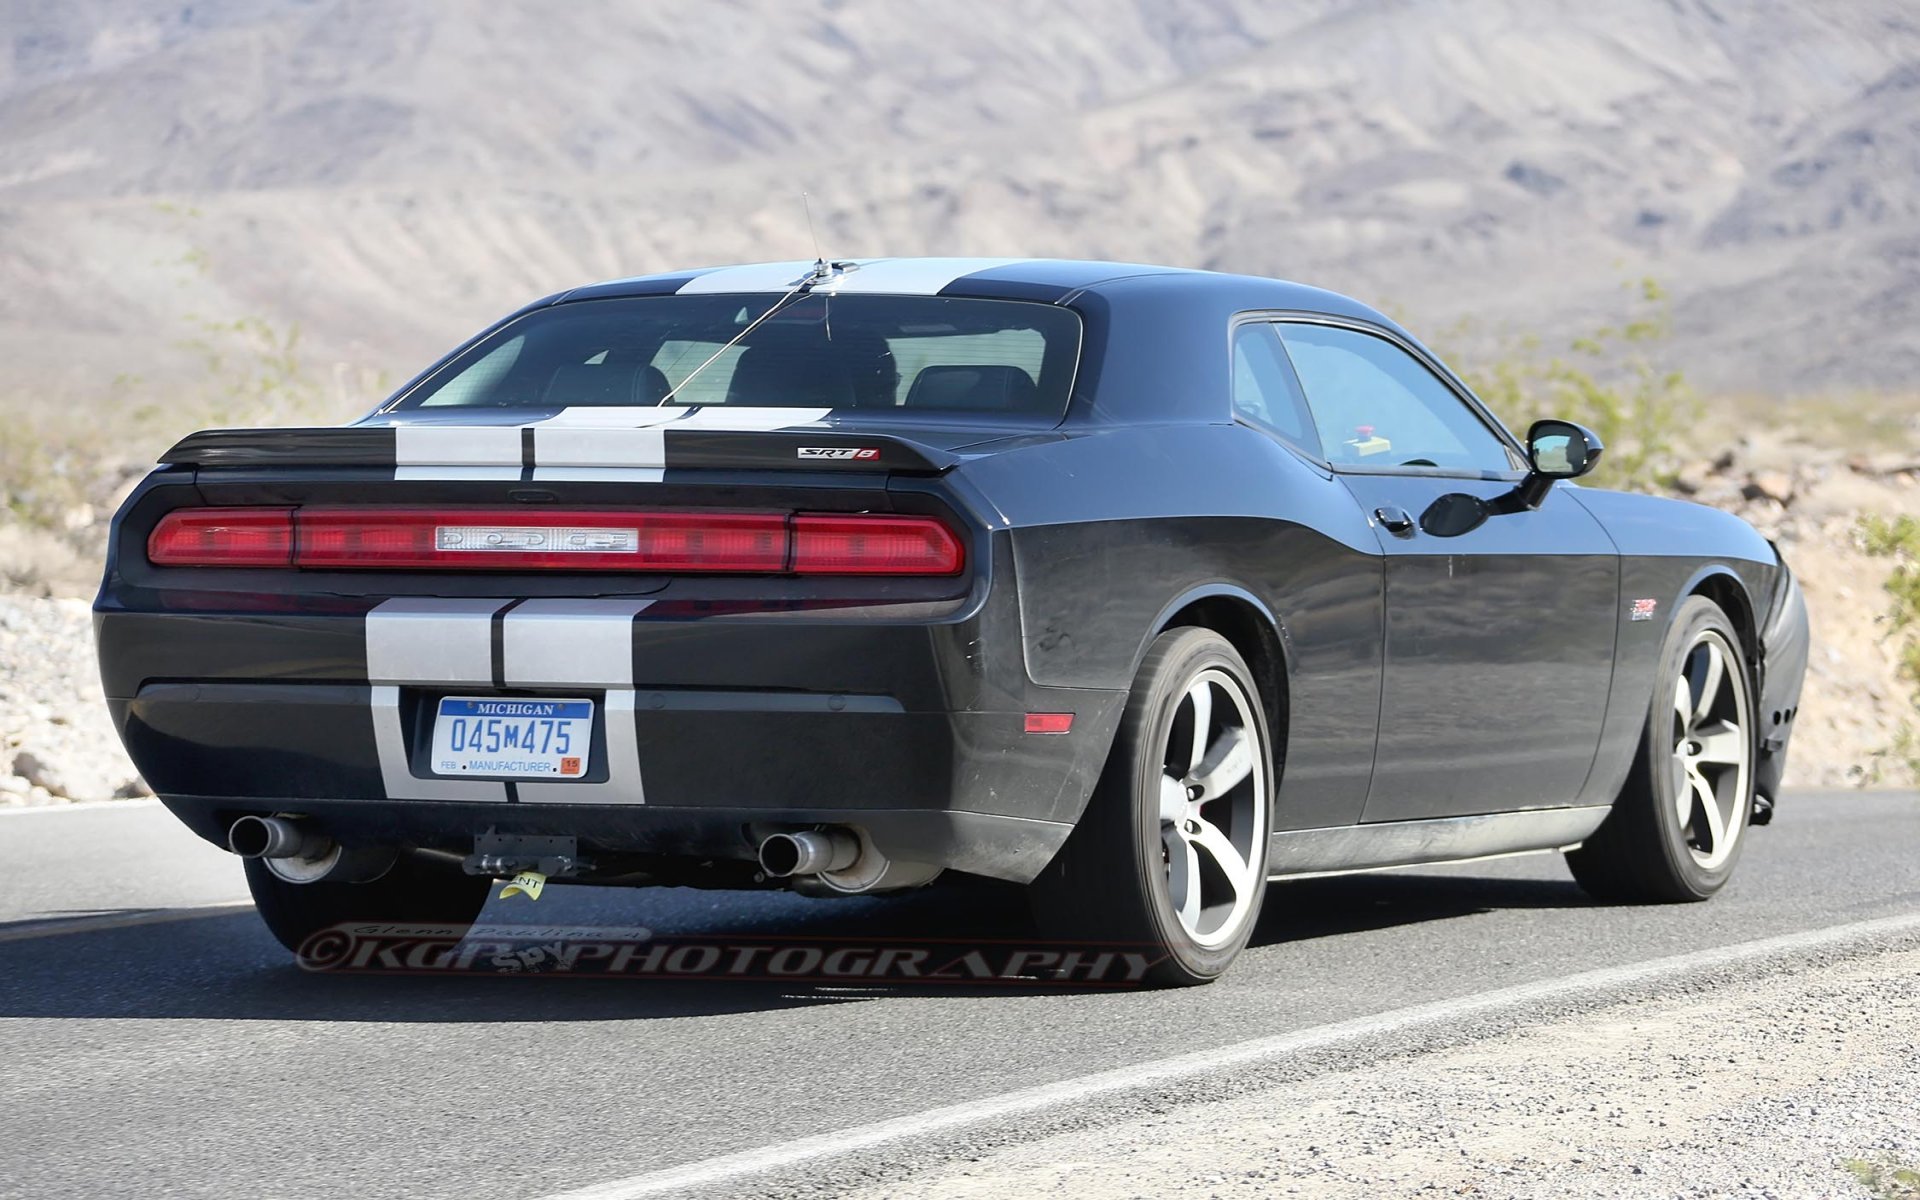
x=415, y=892
x=1675, y=830
x=1171, y=852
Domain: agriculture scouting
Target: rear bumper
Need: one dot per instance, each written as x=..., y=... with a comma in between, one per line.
x=906, y=720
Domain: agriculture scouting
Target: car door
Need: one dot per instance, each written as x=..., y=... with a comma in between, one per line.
x=1328, y=597
x=1498, y=640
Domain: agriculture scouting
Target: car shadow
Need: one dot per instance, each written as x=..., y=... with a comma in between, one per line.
x=1304, y=909
x=227, y=967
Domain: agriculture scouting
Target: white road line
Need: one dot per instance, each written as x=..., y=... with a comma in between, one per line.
x=62, y=926
x=1167, y=1070
x=79, y=806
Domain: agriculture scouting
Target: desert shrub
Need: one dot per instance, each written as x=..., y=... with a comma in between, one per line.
x=1899, y=539
x=1885, y=1180
x=59, y=475
x=1612, y=380
x=255, y=376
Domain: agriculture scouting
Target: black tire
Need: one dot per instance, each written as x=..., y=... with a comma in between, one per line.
x=415, y=891
x=1646, y=853
x=1111, y=882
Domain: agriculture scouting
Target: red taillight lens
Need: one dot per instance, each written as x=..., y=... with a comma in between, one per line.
x=398, y=539
x=874, y=546
x=532, y=538
x=223, y=537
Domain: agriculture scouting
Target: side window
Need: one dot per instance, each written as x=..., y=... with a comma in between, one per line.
x=1265, y=390
x=1378, y=406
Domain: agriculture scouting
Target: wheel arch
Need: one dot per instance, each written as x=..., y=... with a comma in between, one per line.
x=1252, y=628
x=1722, y=586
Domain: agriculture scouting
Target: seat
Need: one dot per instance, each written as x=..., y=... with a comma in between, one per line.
x=803, y=369
x=595, y=385
x=790, y=375
x=968, y=388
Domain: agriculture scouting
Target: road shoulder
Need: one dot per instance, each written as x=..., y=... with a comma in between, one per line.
x=1768, y=1086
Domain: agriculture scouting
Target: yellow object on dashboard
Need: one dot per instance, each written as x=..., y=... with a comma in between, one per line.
x=1366, y=442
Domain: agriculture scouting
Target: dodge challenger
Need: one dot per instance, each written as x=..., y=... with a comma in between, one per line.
x=1140, y=587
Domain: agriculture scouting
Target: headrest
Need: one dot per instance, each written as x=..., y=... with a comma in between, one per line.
x=588, y=385
x=979, y=388
x=773, y=376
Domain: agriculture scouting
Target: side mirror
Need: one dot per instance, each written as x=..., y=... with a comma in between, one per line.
x=1555, y=450
x=1563, y=450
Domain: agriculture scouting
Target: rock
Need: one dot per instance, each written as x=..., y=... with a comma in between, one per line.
x=40, y=773
x=13, y=785
x=1769, y=485
x=133, y=789
x=1694, y=477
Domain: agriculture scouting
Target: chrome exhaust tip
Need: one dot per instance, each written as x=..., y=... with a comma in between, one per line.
x=270, y=837
x=297, y=853
x=810, y=852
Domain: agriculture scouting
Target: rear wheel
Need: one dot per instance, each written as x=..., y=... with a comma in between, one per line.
x=415, y=892
x=1172, y=850
x=1675, y=831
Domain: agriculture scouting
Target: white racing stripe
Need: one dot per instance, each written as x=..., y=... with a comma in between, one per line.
x=614, y=416
x=598, y=474
x=910, y=276
x=432, y=639
x=1186, y=1066
x=456, y=451
x=425, y=641
x=756, y=277
x=744, y=418
x=587, y=644
x=569, y=643
x=403, y=474
x=597, y=446
x=869, y=277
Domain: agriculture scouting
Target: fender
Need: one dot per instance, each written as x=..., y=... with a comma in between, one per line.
x=1207, y=591
x=1747, y=622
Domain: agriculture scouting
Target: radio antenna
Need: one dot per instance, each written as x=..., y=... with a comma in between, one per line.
x=820, y=260
x=821, y=268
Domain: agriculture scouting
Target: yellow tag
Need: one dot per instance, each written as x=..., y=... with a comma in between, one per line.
x=1371, y=445
x=529, y=882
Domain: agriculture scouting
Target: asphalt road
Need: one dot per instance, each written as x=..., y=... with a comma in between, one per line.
x=152, y=1045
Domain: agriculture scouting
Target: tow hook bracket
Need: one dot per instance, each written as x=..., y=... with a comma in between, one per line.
x=505, y=854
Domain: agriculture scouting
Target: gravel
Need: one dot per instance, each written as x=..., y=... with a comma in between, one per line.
x=1792, y=1086
x=57, y=744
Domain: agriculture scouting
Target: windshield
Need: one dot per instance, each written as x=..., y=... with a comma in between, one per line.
x=881, y=354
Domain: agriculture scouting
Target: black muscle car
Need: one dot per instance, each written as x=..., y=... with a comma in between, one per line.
x=1139, y=586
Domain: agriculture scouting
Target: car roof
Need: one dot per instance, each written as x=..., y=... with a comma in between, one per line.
x=1047, y=280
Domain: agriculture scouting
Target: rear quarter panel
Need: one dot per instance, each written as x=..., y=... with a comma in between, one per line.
x=1113, y=530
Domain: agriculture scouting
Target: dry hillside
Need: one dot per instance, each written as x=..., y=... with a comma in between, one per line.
x=389, y=176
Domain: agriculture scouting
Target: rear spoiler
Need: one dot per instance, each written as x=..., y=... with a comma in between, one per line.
x=478, y=450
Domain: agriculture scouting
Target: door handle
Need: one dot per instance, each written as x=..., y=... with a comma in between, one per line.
x=1397, y=521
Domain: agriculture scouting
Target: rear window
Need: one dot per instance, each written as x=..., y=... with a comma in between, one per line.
x=884, y=354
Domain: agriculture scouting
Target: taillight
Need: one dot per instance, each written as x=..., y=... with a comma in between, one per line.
x=344, y=538
x=503, y=539
x=874, y=546
x=223, y=537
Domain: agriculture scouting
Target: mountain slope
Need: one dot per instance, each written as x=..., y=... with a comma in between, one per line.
x=390, y=176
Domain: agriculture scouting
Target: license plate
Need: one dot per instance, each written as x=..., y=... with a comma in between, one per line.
x=512, y=738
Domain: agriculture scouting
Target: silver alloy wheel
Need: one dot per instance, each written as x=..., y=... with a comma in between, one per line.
x=1213, y=809
x=1712, y=750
